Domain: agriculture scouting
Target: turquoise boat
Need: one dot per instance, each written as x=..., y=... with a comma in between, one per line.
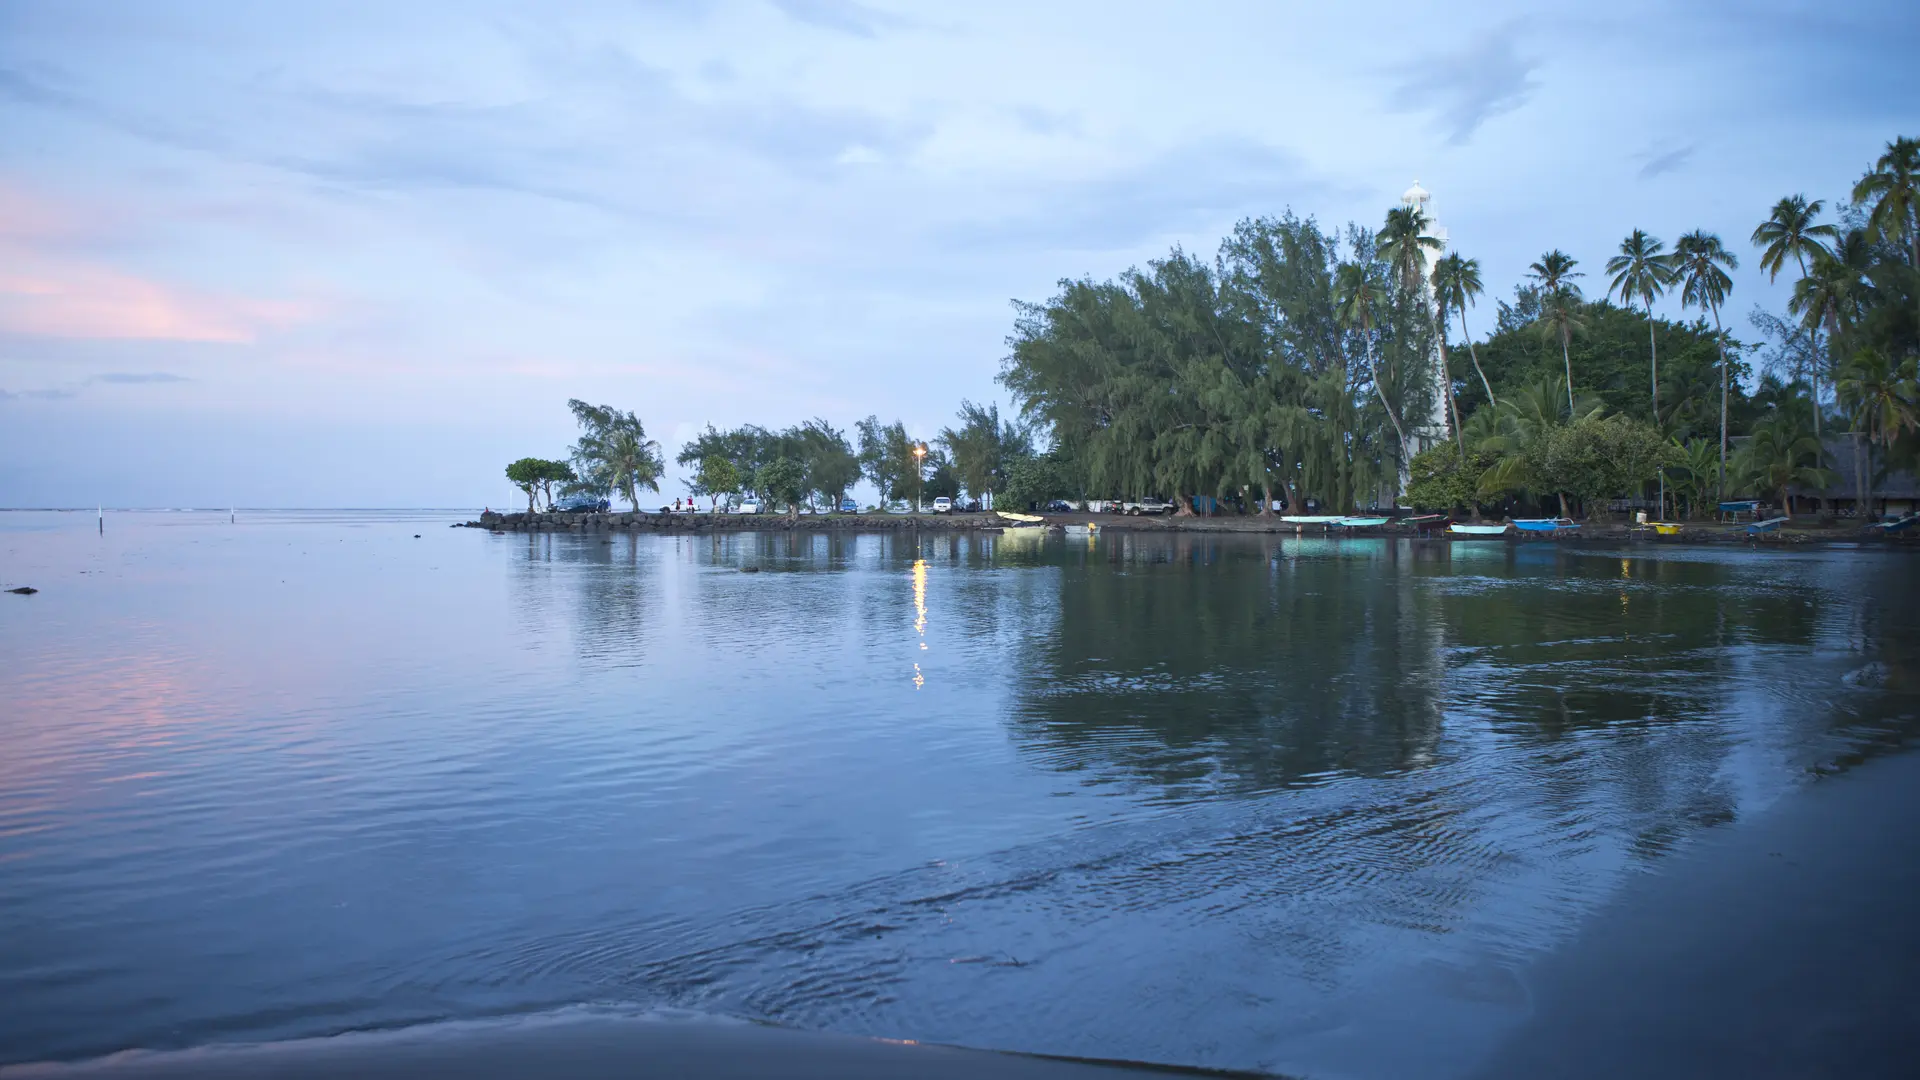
x=1766, y=526
x=1457, y=529
x=1358, y=522
x=1546, y=525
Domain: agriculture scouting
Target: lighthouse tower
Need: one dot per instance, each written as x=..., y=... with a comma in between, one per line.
x=1434, y=428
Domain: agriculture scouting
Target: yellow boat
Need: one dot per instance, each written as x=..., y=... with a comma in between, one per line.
x=1664, y=528
x=1023, y=519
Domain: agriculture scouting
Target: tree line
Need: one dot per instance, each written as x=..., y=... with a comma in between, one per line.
x=1299, y=366
x=812, y=465
x=1311, y=368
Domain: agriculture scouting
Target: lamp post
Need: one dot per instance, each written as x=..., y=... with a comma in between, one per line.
x=919, y=477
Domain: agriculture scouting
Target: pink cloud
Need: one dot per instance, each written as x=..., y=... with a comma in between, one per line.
x=78, y=300
x=49, y=289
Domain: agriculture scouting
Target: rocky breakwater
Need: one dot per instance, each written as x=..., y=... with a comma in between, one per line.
x=645, y=521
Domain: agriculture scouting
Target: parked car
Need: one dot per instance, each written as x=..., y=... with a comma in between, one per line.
x=1148, y=506
x=748, y=506
x=848, y=506
x=580, y=504
x=943, y=505
x=971, y=506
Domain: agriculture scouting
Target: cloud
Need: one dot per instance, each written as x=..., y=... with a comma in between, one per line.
x=1466, y=88
x=140, y=377
x=845, y=16
x=1194, y=186
x=65, y=298
x=1657, y=162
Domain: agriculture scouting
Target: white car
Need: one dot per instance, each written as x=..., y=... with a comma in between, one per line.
x=1149, y=506
x=748, y=506
x=943, y=505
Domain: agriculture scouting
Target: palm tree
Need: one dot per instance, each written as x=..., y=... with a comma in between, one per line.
x=1790, y=231
x=614, y=453
x=1698, y=260
x=1457, y=281
x=1779, y=454
x=1357, y=297
x=1404, y=243
x=1559, y=299
x=1640, y=272
x=1891, y=188
x=1882, y=396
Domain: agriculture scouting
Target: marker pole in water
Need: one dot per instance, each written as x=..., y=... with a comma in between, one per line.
x=231, y=516
x=101, y=510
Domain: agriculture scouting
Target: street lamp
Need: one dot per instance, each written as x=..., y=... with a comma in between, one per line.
x=919, y=477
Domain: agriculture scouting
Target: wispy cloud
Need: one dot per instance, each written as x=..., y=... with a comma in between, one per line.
x=70, y=299
x=1657, y=161
x=1467, y=87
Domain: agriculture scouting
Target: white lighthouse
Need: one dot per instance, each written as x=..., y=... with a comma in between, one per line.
x=1434, y=429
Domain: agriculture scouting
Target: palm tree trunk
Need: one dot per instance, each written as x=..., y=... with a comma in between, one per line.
x=1566, y=335
x=1453, y=407
x=1475, y=353
x=1653, y=350
x=1399, y=432
x=1726, y=381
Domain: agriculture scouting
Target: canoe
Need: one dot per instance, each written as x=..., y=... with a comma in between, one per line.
x=1544, y=524
x=1766, y=526
x=1358, y=522
x=1665, y=528
x=1024, y=519
x=1458, y=529
x=1304, y=519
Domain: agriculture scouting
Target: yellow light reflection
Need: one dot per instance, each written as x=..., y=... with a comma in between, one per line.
x=919, y=614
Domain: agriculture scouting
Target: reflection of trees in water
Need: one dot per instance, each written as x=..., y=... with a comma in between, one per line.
x=1193, y=662
x=600, y=587
x=1594, y=695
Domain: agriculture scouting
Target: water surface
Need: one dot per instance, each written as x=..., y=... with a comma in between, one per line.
x=1296, y=804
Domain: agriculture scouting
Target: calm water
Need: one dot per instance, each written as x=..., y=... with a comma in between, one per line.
x=1257, y=802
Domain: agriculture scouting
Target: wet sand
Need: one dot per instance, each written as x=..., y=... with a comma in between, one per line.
x=1784, y=948
x=588, y=1046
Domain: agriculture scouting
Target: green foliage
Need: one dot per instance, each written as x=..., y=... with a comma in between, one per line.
x=982, y=447
x=784, y=481
x=887, y=460
x=717, y=477
x=614, y=453
x=1781, y=452
x=1610, y=358
x=1594, y=459
x=1036, y=480
x=527, y=474
x=1443, y=482
x=1198, y=378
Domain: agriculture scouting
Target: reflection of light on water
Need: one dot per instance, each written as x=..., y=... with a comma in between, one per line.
x=919, y=614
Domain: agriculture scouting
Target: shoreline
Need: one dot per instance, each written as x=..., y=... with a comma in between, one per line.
x=1691, y=534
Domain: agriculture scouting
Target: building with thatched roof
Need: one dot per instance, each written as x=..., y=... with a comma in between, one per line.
x=1890, y=492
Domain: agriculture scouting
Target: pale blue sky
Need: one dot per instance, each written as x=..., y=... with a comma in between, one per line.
x=360, y=254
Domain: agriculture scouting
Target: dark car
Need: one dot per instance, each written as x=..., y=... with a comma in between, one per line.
x=971, y=506
x=1059, y=506
x=580, y=504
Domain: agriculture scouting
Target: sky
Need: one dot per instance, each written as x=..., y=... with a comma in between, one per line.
x=361, y=254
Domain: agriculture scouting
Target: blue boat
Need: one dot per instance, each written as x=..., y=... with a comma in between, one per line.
x=1766, y=526
x=1545, y=525
x=1896, y=525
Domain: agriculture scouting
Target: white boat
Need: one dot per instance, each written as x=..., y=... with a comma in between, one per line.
x=1359, y=522
x=1457, y=529
x=1315, y=519
x=1021, y=520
